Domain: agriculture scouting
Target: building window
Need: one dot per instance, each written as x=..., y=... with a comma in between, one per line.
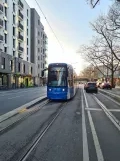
x=27, y=41
x=38, y=58
x=41, y=57
x=11, y=65
x=5, y=11
x=31, y=70
x=13, y=31
x=27, y=51
x=38, y=22
x=5, y=25
x=24, y=68
x=41, y=65
x=5, y=49
x=3, y=63
x=5, y=1
x=5, y=38
x=27, y=32
x=27, y=12
x=14, y=19
x=41, y=34
x=13, y=7
x=38, y=33
x=38, y=49
x=38, y=66
x=18, y=67
x=41, y=50
x=27, y=22
x=13, y=53
x=38, y=41
x=13, y=43
x=27, y=58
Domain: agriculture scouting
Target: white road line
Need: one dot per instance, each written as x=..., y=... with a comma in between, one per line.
x=94, y=134
x=114, y=120
x=84, y=135
x=110, y=93
x=93, y=109
x=114, y=110
x=110, y=99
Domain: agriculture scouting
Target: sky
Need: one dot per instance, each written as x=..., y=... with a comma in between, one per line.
x=70, y=21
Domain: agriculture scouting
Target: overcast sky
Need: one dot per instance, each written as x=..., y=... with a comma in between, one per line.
x=70, y=21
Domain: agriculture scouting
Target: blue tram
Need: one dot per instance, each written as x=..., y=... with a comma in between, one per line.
x=61, y=84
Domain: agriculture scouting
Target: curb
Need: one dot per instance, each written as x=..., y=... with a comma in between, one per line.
x=21, y=108
x=114, y=96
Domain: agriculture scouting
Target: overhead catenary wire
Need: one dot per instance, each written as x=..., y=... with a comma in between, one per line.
x=49, y=25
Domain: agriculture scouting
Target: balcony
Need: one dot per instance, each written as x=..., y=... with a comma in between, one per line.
x=20, y=26
x=1, y=23
x=20, y=15
x=1, y=8
x=1, y=38
x=20, y=37
x=20, y=49
x=20, y=4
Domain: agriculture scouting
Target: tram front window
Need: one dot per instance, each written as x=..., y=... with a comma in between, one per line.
x=57, y=76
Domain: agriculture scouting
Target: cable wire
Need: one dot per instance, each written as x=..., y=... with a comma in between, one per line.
x=50, y=26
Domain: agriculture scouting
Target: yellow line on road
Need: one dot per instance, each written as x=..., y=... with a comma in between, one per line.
x=22, y=110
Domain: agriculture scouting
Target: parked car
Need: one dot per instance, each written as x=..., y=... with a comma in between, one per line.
x=91, y=87
x=85, y=86
x=106, y=86
x=98, y=85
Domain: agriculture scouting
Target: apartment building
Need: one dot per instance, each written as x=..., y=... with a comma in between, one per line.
x=15, y=43
x=39, y=45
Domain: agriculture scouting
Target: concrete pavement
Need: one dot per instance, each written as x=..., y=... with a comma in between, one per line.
x=82, y=131
x=10, y=100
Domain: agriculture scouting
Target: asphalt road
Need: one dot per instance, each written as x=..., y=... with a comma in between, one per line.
x=84, y=130
x=12, y=99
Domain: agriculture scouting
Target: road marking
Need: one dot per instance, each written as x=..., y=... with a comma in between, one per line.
x=114, y=120
x=110, y=99
x=93, y=109
x=22, y=110
x=110, y=93
x=114, y=110
x=84, y=135
x=94, y=134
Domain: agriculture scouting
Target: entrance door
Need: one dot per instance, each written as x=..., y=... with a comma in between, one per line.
x=26, y=82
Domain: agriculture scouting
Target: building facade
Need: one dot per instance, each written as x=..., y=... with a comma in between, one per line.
x=39, y=43
x=15, y=44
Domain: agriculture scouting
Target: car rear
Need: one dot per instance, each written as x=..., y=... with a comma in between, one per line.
x=91, y=87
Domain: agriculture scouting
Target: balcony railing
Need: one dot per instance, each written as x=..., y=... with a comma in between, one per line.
x=20, y=37
x=20, y=4
x=21, y=15
x=20, y=49
x=1, y=8
x=1, y=38
x=1, y=23
x=20, y=26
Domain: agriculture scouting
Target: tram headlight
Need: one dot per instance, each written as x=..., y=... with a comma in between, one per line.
x=49, y=89
x=63, y=89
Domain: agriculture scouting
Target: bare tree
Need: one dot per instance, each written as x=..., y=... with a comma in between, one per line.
x=99, y=55
x=93, y=3
x=100, y=26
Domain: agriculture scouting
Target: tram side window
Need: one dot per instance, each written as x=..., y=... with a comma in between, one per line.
x=70, y=82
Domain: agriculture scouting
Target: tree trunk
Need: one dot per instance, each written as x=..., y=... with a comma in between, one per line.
x=112, y=79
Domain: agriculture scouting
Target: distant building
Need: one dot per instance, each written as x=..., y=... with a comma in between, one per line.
x=15, y=44
x=39, y=43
